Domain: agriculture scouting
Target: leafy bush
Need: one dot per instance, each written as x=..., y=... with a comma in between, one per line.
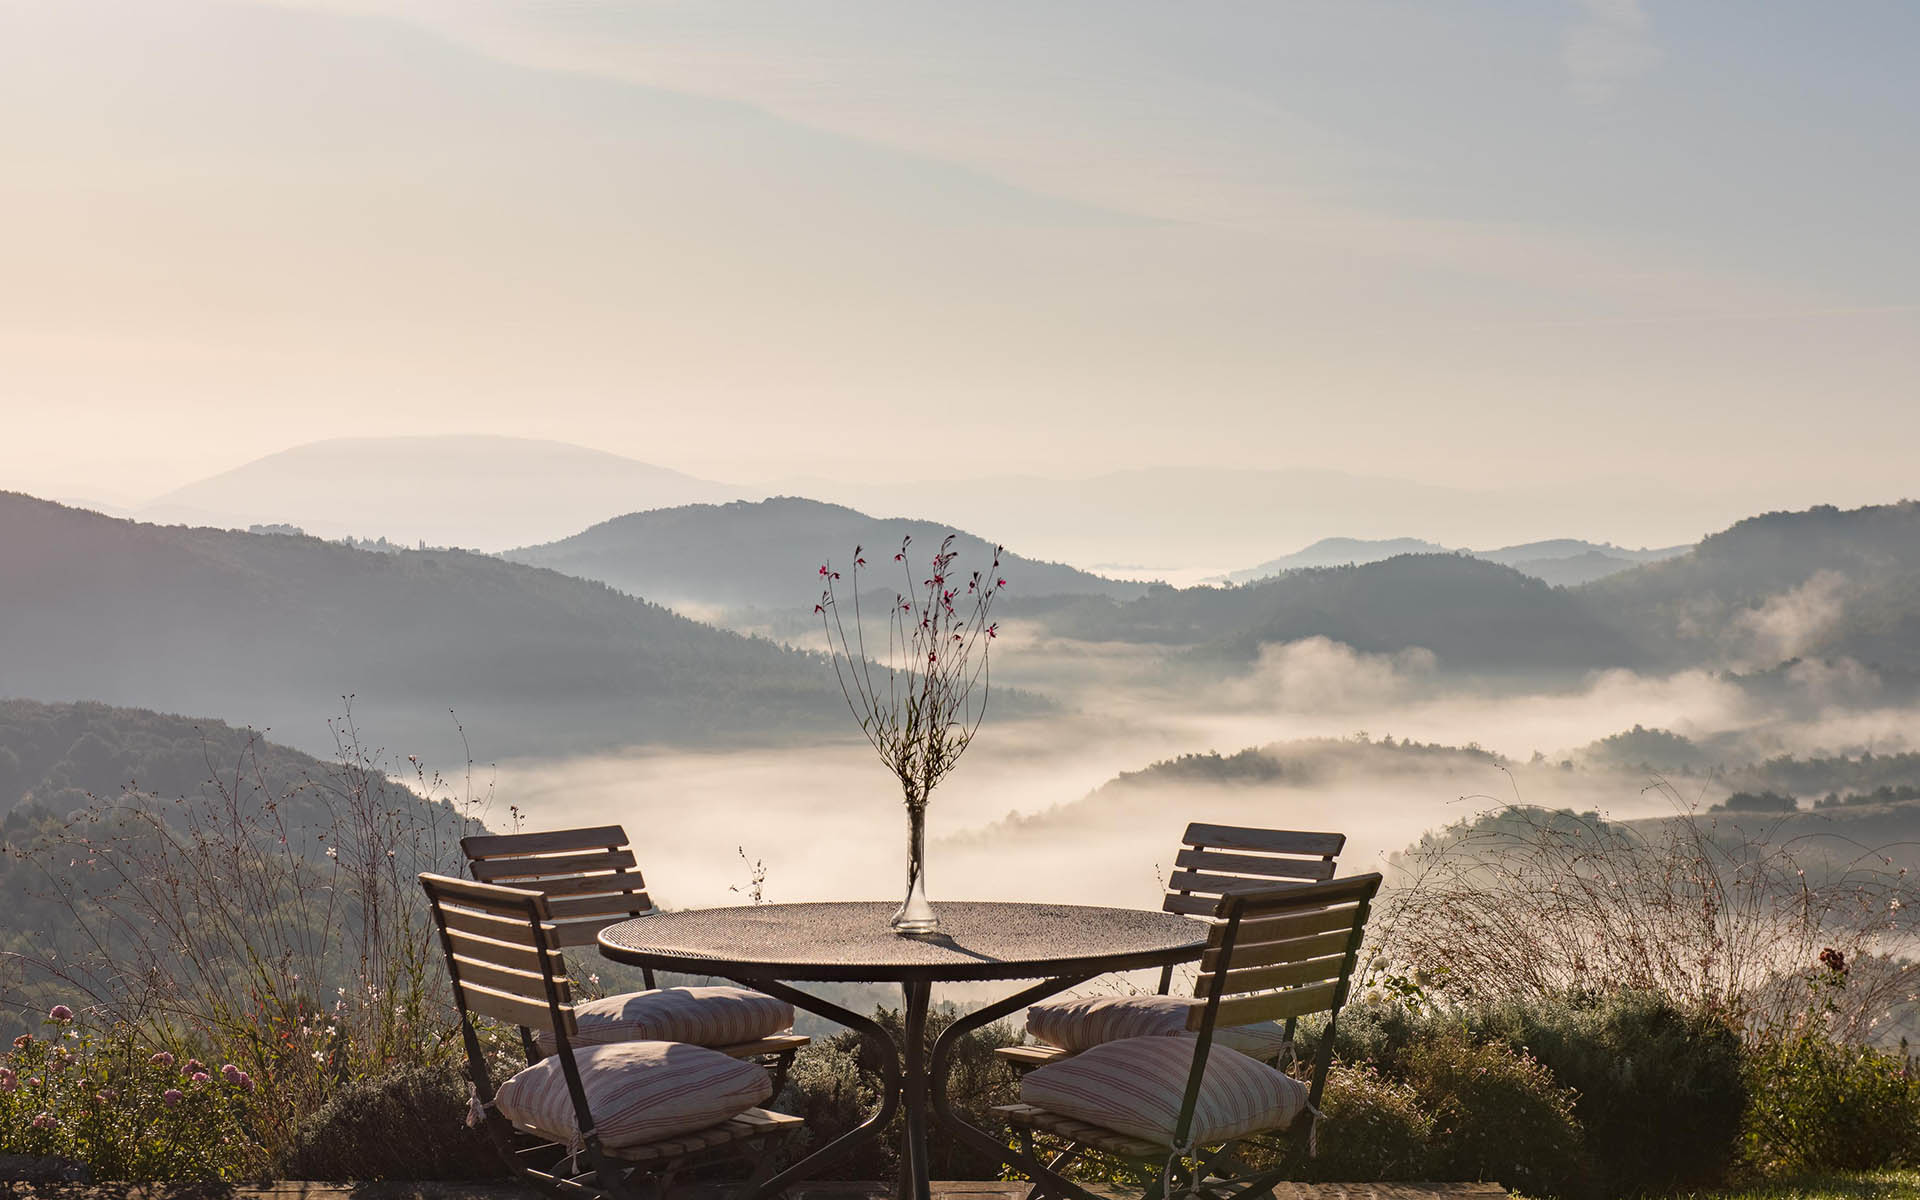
x=1820, y=1105
x=1371, y=1128
x=410, y=1124
x=1498, y=1115
x=1661, y=1090
x=104, y=1100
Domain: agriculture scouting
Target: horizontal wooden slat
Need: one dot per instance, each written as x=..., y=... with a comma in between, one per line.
x=1189, y=906
x=1282, y=898
x=1292, y=925
x=500, y=929
x=1217, y=885
x=623, y=904
x=1251, y=864
x=585, y=885
x=779, y=1043
x=1026, y=1058
x=505, y=979
x=1267, y=1006
x=488, y=897
x=523, y=867
x=1273, y=841
x=535, y=1014
x=1290, y=974
x=582, y=933
x=1260, y=954
x=505, y=954
x=557, y=841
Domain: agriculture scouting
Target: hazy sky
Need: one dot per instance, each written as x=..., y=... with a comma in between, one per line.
x=1453, y=242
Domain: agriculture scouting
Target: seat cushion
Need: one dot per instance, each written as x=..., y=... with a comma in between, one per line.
x=638, y=1092
x=700, y=1016
x=1134, y=1086
x=1076, y=1023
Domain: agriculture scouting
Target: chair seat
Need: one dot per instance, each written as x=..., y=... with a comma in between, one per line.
x=699, y=1016
x=638, y=1093
x=1076, y=1023
x=1135, y=1086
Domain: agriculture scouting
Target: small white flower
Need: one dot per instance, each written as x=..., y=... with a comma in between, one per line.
x=332, y=853
x=595, y=979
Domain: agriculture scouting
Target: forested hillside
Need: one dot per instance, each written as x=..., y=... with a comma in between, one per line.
x=274, y=630
x=763, y=555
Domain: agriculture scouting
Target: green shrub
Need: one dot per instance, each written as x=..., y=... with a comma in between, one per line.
x=1819, y=1105
x=130, y=1113
x=411, y=1124
x=1371, y=1128
x=1498, y=1115
x=1662, y=1091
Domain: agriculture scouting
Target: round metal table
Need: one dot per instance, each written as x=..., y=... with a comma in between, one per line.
x=770, y=945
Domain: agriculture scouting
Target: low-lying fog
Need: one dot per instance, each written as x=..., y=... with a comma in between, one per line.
x=1016, y=819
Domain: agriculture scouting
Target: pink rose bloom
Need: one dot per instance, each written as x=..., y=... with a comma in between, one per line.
x=44, y=1121
x=60, y=1013
x=201, y=1077
x=162, y=1059
x=172, y=1097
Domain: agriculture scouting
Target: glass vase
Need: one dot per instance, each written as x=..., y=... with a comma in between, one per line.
x=916, y=912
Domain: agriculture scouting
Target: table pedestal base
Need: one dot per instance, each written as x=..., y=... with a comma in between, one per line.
x=910, y=1078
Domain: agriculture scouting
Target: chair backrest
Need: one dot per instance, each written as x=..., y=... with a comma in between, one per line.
x=1277, y=955
x=1220, y=859
x=501, y=954
x=588, y=876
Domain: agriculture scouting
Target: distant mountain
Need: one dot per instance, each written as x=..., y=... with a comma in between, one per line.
x=1473, y=615
x=1815, y=584
x=1338, y=552
x=1211, y=517
x=1559, y=561
x=274, y=629
x=483, y=492
x=764, y=555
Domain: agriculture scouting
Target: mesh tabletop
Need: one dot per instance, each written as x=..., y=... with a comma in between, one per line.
x=850, y=942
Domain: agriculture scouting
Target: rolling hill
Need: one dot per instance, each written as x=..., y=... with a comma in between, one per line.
x=1818, y=583
x=489, y=492
x=1559, y=561
x=1475, y=616
x=752, y=556
x=275, y=629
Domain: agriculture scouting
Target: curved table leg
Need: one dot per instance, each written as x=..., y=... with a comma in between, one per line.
x=890, y=1089
x=942, y=1064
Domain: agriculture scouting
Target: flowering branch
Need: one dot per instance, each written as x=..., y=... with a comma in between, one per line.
x=922, y=717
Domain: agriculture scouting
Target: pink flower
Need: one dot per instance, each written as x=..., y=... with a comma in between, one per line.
x=8, y=1080
x=230, y=1073
x=194, y=1064
x=172, y=1097
x=60, y=1013
x=201, y=1077
x=162, y=1059
x=20, y=1042
x=245, y=1082
x=44, y=1121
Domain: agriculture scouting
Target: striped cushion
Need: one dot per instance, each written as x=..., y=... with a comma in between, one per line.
x=1134, y=1086
x=701, y=1016
x=1076, y=1023
x=638, y=1092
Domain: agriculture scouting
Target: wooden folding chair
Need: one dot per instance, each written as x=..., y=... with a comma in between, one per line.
x=1214, y=860
x=1277, y=954
x=503, y=952
x=591, y=880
